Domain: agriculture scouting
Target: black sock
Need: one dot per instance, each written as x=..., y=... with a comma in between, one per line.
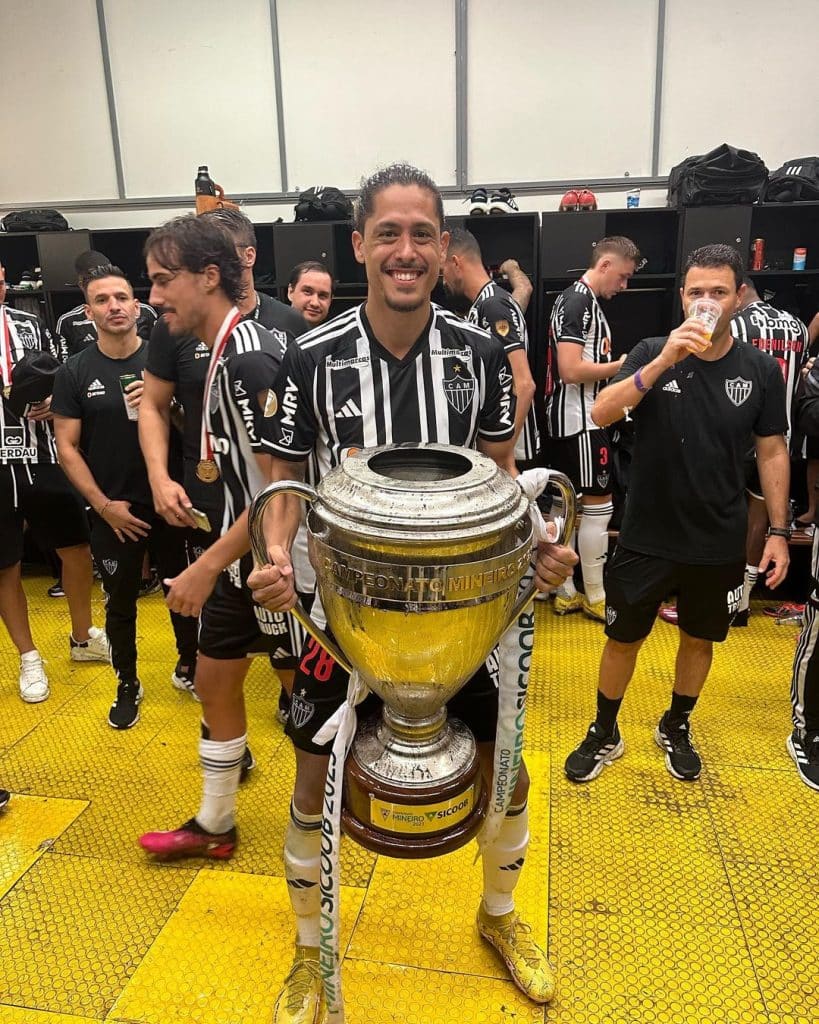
x=680, y=710
x=607, y=708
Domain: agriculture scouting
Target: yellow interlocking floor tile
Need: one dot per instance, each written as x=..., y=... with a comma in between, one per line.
x=29, y=827
x=422, y=913
x=18, y=1015
x=223, y=955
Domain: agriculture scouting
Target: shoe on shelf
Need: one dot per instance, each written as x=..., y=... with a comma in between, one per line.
x=27, y=282
x=681, y=759
x=478, y=202
x=741, y=618
x=568, y=605
x=594, y=609
x=33, y=681
x=125, y=710
x=148, y=586
x=586, y=199
x=526, y=962
x=190, y=840
x=596, y=751
x=804, y=749
x=502, y=201
x=95, y=648
x=56, y=589
x=248, y=764
x=182, y=678
x=570, y=201
x=5, y=796
x=668, y=613
x=301, y=999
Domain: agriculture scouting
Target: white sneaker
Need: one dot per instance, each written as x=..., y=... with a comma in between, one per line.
x=95, y=648
x=33, y=681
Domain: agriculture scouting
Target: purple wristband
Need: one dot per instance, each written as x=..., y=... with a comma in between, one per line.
x=638, y=382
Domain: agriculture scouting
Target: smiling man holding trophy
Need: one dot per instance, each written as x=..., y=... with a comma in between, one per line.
x=404, y=416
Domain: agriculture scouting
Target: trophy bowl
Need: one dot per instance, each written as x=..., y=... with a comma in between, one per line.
x=419, y=551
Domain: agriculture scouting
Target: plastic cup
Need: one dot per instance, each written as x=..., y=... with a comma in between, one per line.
x=633, y=199
x=707, y=312
x=124, y=381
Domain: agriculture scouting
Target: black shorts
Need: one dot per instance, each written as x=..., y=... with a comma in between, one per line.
x=48, y=503
x=708, y=596
x=753, y=484
x=320, y=688
x=233, y=626
x=585, y=459
x=812, y=446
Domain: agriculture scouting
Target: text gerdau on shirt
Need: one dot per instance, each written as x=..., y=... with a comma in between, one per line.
x=339, y=388
x=496, y=311
x=75, y=331
x=778, y=333
x=577, y=319
x=87, y=388
x=23, y=442
x=686, y=497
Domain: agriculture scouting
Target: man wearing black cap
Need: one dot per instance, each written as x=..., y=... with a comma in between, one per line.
x=75, y=331
x=34, y=489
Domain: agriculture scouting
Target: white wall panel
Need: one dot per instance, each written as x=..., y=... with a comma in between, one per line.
x=56, y=135
x=560, y=89
x=194, y=84
x=366, y=83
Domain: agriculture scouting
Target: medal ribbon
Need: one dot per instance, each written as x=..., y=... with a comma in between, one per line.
x=228, y=324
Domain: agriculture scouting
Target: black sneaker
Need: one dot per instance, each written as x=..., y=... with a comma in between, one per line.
x=681, y=758
x=741, y=618
x=283, y=710
x=805, y=753
x=596, y=751
x=5, y=796
x=56, y=589
x=148, y=586
x=125, y=710
x=502, y=201
x=478, y=202
x=182, y=678
x=248, y=764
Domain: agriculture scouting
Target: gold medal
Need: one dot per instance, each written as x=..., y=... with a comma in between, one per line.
x=207, y=471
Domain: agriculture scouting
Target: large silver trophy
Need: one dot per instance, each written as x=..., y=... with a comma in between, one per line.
x=419, y=551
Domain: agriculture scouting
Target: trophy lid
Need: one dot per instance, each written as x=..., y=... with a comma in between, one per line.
x=407, y=489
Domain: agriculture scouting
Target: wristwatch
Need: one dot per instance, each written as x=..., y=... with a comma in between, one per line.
x=780, y=531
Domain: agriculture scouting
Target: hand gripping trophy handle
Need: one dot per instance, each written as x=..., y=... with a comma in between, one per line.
x=258, y=545
x=561, y=483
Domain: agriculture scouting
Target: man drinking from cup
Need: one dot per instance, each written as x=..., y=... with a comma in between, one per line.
x=698, y=403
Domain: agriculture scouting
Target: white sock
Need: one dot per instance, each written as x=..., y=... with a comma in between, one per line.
x=593, y=548
x=503, y=859
x=302, y=854
x=751, y=574
x=221, y=765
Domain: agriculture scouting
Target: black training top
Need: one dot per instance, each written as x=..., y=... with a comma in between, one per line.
x=686, y=499
x=87, y=388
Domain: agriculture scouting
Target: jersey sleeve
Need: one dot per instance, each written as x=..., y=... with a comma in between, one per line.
x=643, y=352
x=773, y=416
x=496, y=421
x=251, y=374
x=65, y=399
x=502, y=318
x=292, y=429
x=573, y=317
x=162, y=353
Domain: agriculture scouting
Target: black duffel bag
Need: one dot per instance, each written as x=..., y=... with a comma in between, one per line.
x=796, y=181
x=323, y=202
x=35, y=220
x=725, y=176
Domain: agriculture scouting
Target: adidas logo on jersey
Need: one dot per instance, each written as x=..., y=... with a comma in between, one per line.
x=348, y=411
x=201, y=351
x=96, y=387
x=673, y=387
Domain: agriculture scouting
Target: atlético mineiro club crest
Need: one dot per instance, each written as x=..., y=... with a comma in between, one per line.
x=459, y=389
x=738, y=390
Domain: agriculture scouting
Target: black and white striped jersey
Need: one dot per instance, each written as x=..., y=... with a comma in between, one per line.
x=578, y=319
x=23, y=441
x=234, y=418
x=75, y=331
x=496, y=311
x=778, y=333
x=339, y=388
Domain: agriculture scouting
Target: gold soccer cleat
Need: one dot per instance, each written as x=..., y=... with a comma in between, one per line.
x=594, y=609
x=301, y=1000
x=524, y=959
x=567, y=605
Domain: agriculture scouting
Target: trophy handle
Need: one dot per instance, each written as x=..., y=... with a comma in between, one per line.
x=258, y=545
x=562, y=484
